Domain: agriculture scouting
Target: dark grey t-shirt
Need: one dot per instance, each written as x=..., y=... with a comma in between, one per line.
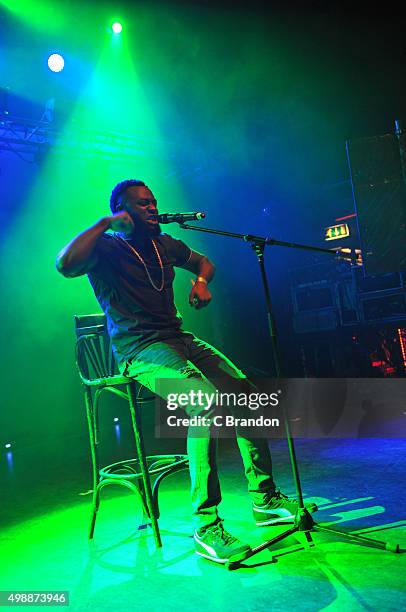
x=137, y=314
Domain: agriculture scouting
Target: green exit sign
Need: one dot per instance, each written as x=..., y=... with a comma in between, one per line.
x=335, y=232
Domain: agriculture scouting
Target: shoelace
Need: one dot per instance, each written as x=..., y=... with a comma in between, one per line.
x=278, y=495
x=219, y=532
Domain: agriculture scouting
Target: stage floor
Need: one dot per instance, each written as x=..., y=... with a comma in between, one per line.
x=358, y=485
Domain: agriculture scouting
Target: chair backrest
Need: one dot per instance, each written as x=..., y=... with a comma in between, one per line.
x=94, y=354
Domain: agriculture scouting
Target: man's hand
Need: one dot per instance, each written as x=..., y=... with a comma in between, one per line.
x=122, y=222
x=200, y=295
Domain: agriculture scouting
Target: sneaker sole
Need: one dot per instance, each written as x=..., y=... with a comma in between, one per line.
x=211, y=557
x=281, y=519
x=215, y=559
x=232, y=559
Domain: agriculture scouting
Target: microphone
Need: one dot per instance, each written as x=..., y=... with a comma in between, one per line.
x=181, y=217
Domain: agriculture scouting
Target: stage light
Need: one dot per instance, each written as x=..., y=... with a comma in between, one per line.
x=8, y=445
x=117, y=27
x=116, y=419
x=9, y=459
x=56, y=62
x=118, y=433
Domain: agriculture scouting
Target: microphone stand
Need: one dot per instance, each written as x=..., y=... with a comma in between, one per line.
x=303, y=520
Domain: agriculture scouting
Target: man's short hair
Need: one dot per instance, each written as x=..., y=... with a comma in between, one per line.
x=119, y=189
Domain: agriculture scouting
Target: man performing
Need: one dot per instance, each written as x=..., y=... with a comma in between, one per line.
x=131, y=272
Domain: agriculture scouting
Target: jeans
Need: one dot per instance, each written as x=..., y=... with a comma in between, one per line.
x=185, y=356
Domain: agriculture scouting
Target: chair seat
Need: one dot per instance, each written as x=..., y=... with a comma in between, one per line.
x=111, y=381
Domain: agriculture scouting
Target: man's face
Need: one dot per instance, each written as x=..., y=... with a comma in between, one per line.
x=141, y=205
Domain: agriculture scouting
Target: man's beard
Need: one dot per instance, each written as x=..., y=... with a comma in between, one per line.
x=153, y=230
x=145, y=228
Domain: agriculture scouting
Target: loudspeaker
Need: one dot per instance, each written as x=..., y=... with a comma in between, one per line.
x=379, y=188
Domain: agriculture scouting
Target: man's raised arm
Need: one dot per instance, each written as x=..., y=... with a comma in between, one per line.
x=78, y=257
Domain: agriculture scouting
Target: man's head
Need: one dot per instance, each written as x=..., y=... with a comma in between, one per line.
x=137, y=199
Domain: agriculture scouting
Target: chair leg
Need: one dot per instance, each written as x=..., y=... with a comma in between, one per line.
x=139, y=444
x=92, y=522
x=93, y=450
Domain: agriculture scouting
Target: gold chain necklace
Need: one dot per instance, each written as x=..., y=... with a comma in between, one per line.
x=145, y=265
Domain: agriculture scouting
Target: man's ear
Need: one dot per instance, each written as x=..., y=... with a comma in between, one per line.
x=120, y=206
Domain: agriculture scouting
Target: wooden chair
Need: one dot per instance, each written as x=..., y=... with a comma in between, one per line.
x=98, y=372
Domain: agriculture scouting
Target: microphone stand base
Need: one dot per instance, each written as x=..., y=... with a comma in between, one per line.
x=305, y=523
